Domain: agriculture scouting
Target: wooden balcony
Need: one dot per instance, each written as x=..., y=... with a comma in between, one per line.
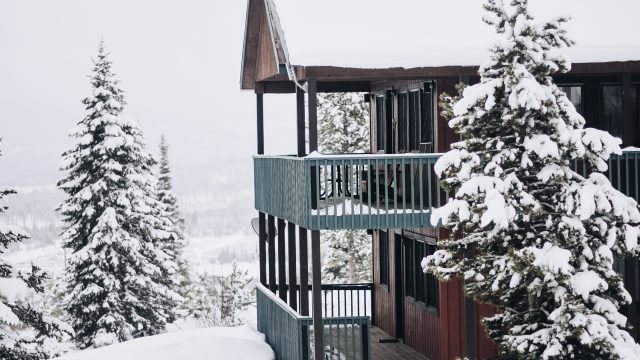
x=345, y=319
x=348, y=191
x=364, y=191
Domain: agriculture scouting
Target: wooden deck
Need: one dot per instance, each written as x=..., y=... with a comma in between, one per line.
x=390, y=351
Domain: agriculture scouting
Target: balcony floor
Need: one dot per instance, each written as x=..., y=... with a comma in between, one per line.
x=390, y=351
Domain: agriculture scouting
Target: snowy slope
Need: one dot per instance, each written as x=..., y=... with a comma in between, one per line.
x=210, y=344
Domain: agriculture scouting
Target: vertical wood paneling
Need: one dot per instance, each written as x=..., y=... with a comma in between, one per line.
x=485, y=347
x=421, y=329
x=266, y=61
x=384, y=299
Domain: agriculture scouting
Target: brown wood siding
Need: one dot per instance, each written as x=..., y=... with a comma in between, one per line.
x=485, y=347
x=266, y=66
x=384, y=299
x=452, y=320
x=421, y=329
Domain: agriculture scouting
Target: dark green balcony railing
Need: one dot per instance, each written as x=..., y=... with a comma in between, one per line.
x=363, y=191
x=349, y=191
x=291, y=335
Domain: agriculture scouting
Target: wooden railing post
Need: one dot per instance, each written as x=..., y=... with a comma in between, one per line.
x=293, y=286
x=304, y=272
x=282, y=261
x=318, y=326
x=271, y=233
x=262, y=247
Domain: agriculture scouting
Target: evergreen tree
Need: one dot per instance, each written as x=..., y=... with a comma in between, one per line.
x=221, y=300
x=343, y=123
x=26, y=333
x=236, y=295
x=529, y=234
x=343, y=128
x=174, y=245
x=117, y=275
x=349, y=256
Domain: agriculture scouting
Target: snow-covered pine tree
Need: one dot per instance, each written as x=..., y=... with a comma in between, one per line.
x=343, y=128
x=349, y=259
x=118, y=277
x=174, y=245
x=236, y=295
x=529, y=234
x=25, y=332
x=343, y=123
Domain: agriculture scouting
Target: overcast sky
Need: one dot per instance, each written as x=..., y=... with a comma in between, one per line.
x=178, y=62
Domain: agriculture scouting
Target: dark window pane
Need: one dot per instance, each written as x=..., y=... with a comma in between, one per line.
x=402, y=129
x=574, y=93
x=432, y=282
x=612, y=109
x=421, y=277
x=383, y=258
x=380, y=124
x=414, y=121
x=409, y=271
x=426, y=118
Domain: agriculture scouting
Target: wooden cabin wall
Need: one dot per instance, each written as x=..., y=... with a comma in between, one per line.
x=384, y=295
x=266, y=66
x=485, y=347
x=421, y=329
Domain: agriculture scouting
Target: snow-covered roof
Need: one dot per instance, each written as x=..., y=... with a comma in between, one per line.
x=426, y=33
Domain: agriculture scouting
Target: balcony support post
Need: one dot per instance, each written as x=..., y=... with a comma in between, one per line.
x=282, y=261
x=260, y=122
x=313, y=114
x=300, y=122
x=262, y=247
x=293, y=282
x=271, y=233
x=318, y=327
x=304, y=272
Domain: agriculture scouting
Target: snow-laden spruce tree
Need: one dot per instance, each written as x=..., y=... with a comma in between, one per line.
x=174, y=245
x=118, y=277
x=26, y=333
x=343, y=128
x=235, y=296
x=529, y=234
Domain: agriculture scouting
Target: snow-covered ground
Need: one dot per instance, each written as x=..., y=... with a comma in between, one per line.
x=202, y=344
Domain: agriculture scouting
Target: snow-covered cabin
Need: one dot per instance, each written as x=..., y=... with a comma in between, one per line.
x=402, y=55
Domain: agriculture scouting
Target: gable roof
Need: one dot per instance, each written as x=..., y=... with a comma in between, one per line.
x=363, y=38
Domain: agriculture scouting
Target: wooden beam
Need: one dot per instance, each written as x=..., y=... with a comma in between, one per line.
x=282, y=261
x=343, y=86
x=304, y=272
x=262, y=244
x=629, y=125
x=313, y=114
x=293, y=282
x=300, y=122
x=260, y=122
x=318, y=326
x=279, y=87
x=272, y=252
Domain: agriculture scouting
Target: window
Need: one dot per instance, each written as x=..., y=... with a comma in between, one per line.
x=574, y=93
x=423, y=288
x=383, y=257
x=426, y=117
x=403, y=130
x=611, y=115
x=380, y=125
x=415, y=120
